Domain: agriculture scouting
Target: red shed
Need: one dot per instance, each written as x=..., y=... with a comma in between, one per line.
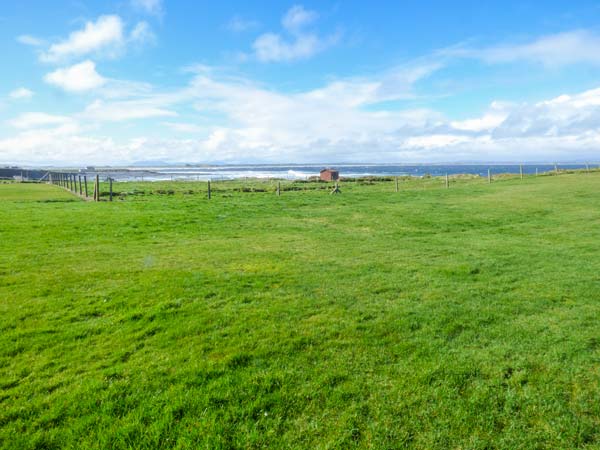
x=329, y=175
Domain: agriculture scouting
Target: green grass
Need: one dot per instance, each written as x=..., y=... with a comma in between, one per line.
x=428, y=318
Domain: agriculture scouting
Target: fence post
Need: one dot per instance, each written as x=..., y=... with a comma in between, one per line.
x=110, y=196
x=396, y=184
x=85, y=183
x=521, y=170
x=447, y=182
x=556, y=168
x=279, y=188
x=208, y=191
x=80, y=189
x=536, y=171
x=489, y=176
x=97, y=188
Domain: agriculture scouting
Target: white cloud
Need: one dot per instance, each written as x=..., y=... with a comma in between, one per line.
x=105, y=35
x=38, y=119
x=348, y=119
x=302, y=44
x=21, y=93
x=297, y=18
x=152, y=7
x=183, y=127
x=486, y=122
x=77, y=78
x=271, y=47
x=554, y=50
x=32, y=41
x=238, y=24
x=101, y=110
x=142, y=34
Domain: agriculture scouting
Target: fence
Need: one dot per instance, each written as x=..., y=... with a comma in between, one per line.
x=90, y=189
x=78, y=184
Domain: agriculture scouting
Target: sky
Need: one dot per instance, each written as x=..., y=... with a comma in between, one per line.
x=129, y=81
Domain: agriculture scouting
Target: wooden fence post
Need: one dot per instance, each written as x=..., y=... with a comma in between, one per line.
x=489, y=176
x=447, y=182
x=97, y=188
x=110, y=195
x=521, y=170
x=208, y=191
x=80, y=189
x=396, y=184
x=536, y=171
x=85, y=183
x=279, y=188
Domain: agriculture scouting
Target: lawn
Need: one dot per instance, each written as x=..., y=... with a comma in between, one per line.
x=426, y=318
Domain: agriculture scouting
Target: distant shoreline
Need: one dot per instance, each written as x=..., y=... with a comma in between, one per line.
x=289, y=172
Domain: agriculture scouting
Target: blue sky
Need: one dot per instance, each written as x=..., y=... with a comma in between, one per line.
x=103, y=82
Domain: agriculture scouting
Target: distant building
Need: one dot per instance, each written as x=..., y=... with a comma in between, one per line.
x=329, y=175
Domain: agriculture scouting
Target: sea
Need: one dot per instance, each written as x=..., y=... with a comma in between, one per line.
x=303, y=172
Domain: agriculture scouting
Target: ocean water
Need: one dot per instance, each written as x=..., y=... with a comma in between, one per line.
x=301, y=172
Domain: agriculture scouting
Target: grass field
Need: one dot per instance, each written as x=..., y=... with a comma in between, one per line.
x=429, y=318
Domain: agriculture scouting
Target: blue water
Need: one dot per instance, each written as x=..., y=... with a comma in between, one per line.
x=292, y=172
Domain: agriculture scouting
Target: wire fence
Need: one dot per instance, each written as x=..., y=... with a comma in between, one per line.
x=78, y=185
x=89, y=187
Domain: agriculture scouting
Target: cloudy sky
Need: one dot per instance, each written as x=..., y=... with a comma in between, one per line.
x=117, y=82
